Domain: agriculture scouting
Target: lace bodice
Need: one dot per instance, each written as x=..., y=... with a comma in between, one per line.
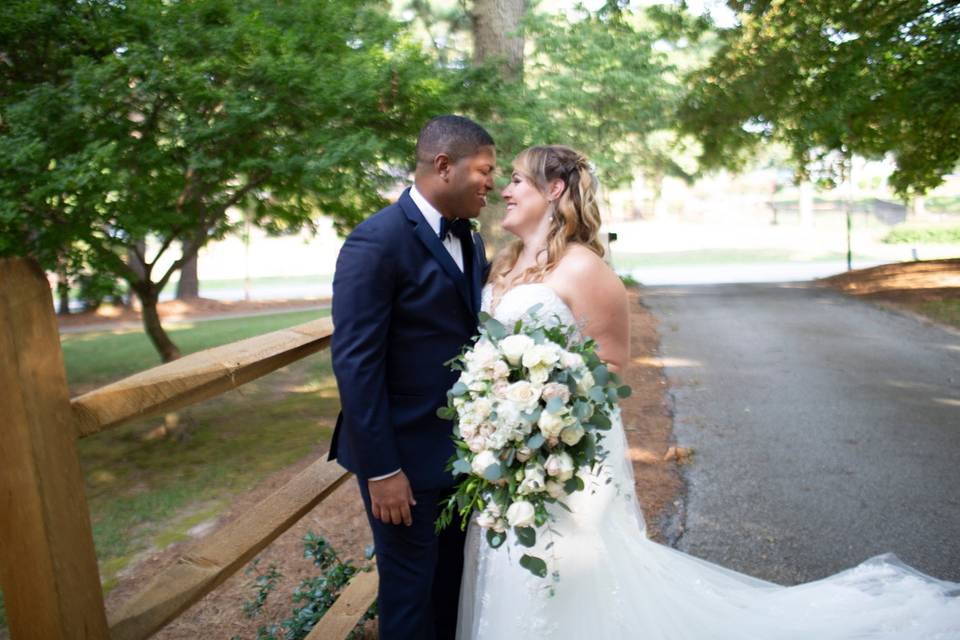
x=518, y=300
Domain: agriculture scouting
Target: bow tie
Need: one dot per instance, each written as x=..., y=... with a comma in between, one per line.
x=460, y=227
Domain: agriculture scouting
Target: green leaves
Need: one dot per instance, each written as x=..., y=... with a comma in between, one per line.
x=527, y=536
x=495, y=539
x=828, y=78
x=534, y=565
x=493, y=472
x=495, y=328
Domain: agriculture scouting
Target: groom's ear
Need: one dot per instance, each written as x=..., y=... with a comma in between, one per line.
x=442, y=165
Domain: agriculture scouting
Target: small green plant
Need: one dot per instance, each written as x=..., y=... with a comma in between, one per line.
x=264, y=583
x=316, y=595
x=628, y=280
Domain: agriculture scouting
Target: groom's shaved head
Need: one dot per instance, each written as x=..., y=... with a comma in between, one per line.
x=455, y=136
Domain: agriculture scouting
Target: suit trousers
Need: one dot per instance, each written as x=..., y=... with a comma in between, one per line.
x=419, y=571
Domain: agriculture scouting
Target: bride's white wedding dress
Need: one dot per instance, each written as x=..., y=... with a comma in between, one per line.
x=616, y=583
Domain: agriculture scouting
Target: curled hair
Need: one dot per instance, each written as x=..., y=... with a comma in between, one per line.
x=575, y=215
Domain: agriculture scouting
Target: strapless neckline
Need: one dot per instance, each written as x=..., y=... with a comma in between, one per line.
x=517, y=300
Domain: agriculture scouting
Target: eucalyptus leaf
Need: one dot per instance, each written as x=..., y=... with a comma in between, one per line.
x=458, y=389
x=536, y=441
x=601, y=375
x=527, y=536
x=495, y=328
x=493, y=472
x=461, y=466
x=601, y=421
x=624, y=391
x=534, y=565
x=598, y=394
x=573, y=484
x=495, y=539
x=555, y=405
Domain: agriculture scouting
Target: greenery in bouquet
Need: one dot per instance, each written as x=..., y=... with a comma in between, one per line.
x=529, y=411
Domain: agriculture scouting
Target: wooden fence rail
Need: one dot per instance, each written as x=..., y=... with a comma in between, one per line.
x=48, y=564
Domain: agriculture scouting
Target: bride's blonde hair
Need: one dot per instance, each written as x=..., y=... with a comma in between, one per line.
x=575, y=216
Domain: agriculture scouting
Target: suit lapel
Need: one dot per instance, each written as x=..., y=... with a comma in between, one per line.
x=426, y=235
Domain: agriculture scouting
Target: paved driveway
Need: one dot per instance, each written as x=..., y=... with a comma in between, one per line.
x=825, y=430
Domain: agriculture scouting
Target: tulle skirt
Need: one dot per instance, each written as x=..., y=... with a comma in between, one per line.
x=616, y=583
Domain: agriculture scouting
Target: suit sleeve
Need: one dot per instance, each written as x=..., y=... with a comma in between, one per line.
x=363, y=291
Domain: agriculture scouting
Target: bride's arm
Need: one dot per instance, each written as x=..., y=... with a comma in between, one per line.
x=597, y=297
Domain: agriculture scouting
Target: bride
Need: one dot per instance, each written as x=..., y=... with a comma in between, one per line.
x=613, y=581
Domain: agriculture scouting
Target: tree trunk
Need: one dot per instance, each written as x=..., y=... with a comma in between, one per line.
x=137, y=266
x=189, y=285
x=151, y=323
x=63, y=293
x=498, y=35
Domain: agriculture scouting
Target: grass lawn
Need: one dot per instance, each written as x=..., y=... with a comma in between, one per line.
x=716, y=257
x=146, y=490
x=945, y=311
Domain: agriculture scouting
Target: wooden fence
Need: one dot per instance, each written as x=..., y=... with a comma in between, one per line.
x=48, y=565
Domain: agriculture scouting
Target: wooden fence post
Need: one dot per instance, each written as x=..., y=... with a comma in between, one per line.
x=48, y=566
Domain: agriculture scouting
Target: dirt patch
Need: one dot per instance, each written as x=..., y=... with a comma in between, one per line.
x=174, y=310
x=902, y=282
x=928, y=290
x=340, y=518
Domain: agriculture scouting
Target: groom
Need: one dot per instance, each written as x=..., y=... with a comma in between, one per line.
x=406, y=294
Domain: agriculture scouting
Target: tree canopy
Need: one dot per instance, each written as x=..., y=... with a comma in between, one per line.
x=870, y=78
x=120, y=122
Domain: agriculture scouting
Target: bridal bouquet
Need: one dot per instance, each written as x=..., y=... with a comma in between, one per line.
x=529, y=412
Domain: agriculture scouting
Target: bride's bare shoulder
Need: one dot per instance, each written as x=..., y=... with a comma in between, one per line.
x=580, y=265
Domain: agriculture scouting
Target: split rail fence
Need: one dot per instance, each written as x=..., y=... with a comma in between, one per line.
x=48, y=565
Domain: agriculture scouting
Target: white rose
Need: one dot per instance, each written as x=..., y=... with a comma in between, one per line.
x=480, y=408
x=513, y=347
x=467, y=430
x=524, y=394
x=482, y=356
x=585, y=383
x=571, y=435
x=555, y=489
x=545, y=355
x=501, y=370
x=571, y=360
x=560, y=466
x=483, y=460
x=533, y=480
x=486, y=519
x=550, y=424
x=521, y=514
x=524, y=453
x=539, y=374
x=477, y=443
x=556, y=390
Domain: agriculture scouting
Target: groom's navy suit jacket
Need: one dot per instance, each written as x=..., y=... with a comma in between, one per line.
x=401, y=308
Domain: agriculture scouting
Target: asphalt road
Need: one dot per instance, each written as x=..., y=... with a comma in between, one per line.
x=825, y=430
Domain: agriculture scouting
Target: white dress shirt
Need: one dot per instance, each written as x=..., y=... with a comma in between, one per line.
x=451, y=242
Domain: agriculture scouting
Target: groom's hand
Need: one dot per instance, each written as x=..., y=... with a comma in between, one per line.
x=391, y=499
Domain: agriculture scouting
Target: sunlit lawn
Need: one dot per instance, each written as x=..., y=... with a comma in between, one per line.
x=147, y=488
x=946, y=311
